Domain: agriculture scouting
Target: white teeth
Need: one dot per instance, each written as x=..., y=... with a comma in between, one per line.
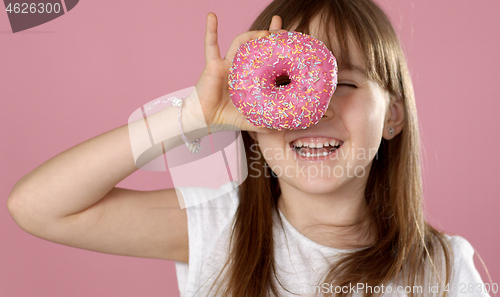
x=299, y=143
x=314, y=155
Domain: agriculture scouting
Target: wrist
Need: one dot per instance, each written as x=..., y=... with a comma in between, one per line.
x=192, y=114
x=196, y=114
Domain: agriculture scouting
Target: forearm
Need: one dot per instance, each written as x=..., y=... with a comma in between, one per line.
x=80, y=176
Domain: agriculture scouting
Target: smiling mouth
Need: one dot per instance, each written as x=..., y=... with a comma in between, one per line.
x=309, y=152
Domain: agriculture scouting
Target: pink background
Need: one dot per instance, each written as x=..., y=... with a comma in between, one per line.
x=84, y=73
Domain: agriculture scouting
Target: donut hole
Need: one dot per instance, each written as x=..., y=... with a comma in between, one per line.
x=282, y=80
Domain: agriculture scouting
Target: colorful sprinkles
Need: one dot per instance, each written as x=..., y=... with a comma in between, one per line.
x=310, y=67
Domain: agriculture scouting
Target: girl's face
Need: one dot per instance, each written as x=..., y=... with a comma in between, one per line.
x=355, y=116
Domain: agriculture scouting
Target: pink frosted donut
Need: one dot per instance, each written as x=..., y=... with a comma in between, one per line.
x=283, y=81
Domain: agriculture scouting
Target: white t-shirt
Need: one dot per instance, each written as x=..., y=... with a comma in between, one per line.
x=299, y=265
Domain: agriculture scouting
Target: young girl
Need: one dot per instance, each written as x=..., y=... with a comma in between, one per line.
x=350, y=225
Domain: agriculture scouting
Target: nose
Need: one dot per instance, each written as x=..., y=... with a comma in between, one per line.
x=329, y=113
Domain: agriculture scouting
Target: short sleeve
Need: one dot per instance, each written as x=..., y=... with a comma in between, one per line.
x=466, y=280
x=207, y=221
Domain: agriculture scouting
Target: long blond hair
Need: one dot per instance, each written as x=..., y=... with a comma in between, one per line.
x=406, y=246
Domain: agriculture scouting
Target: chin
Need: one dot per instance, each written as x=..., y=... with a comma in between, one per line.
x=316, y=185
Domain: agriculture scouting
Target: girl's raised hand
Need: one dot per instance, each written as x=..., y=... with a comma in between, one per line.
x=211, y=90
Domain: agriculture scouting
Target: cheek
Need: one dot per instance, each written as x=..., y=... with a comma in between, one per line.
x=364, y=119
x=375, y=120
x=271, y=147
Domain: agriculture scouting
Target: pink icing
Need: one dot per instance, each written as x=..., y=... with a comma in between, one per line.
x=312, y=71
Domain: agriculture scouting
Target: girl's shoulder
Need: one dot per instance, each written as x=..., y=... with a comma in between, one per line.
x=465, y=278
x=459, y=243
x=209, y=208
x=209, y=215
x=208, y=196
x=462, y=251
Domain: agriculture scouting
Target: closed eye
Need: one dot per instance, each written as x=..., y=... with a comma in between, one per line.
x=347, y=85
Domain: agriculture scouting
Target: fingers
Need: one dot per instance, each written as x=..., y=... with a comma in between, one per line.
x=242, y=39
x=261, y=130
x=212, y=51
x=276, y=24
